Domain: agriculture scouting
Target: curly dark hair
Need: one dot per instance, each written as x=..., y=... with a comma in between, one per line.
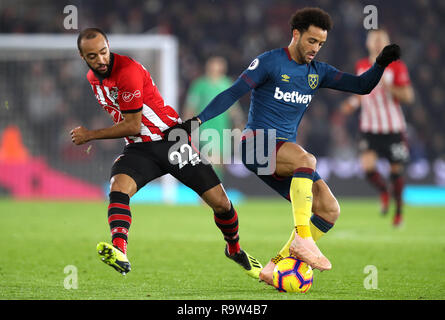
x=303, y=18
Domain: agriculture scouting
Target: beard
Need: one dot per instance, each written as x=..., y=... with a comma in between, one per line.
x=103, y=74
x=302, y=54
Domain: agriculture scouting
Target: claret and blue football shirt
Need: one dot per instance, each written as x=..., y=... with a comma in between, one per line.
x=282, y=90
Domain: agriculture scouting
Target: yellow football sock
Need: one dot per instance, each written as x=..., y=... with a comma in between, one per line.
x=316, y=233
x=284, y=252
x=301, y=199
x=300, y=194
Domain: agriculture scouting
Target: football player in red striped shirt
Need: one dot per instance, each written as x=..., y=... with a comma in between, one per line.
x=382, y=123
x=125, y=90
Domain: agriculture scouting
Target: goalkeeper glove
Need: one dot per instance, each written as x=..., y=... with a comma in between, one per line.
x=389, y=54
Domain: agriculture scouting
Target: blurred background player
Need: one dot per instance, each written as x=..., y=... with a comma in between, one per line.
x=125, y=90
x=382, y=123
x=201, y=92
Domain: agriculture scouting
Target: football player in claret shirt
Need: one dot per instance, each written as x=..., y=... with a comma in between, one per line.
x=125, y=89
x=283, y=82
x=382, y=123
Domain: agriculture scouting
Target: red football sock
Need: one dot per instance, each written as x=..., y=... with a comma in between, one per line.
x=398, y=184
x=121, y=244
x=377, y=181
x=233, y=247
x=227, y=222
x=119, y=219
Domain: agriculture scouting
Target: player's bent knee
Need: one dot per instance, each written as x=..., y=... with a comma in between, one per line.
x=123, y=183
x=308, y=160
x=217, y=199
x=223, y=204
x=312, y=160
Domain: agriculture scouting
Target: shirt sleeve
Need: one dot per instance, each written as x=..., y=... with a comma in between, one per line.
x=362, y=84
x=224, y=100
x=130, y=86
x=401, y=75
x=257, y=72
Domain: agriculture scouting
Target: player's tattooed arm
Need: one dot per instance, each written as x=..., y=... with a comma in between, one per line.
x=129, y=126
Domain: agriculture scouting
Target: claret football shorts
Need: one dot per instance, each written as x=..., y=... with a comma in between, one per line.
x=258, y=154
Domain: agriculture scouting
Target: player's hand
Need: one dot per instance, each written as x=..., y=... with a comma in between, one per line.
x=389, y=54
x=187, y=126
x=80, y=135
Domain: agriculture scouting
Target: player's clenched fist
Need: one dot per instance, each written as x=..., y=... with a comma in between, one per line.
x=79, y=135
x=389, y=54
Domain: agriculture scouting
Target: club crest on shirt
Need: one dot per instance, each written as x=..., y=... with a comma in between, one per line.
x=114, y=93
x=312, y=80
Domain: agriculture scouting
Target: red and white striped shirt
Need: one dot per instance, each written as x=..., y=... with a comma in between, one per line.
x=130, y=88
x=381, y=113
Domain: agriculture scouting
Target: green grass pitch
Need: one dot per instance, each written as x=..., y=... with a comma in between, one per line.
x=177, y=252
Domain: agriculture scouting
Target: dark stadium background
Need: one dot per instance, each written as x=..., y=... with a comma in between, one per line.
x=238, y=30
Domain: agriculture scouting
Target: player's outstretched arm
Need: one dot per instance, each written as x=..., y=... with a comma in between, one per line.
x=366, y=82
x=218, y=105
x=224, y=100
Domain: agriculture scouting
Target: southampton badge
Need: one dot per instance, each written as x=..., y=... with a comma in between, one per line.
x=114, y=93
x=312, y=79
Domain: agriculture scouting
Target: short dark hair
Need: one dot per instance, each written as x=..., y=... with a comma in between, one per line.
x=302, y=19
x=89, y=33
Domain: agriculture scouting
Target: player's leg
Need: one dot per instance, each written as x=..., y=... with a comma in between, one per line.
x=292, y=160
x=325, y=208
x=224, y=215
x=119, y=219
x=397, y=183
x=122, y=188
x=326, y=211
x=226, y=219
x=368, y=163
x=201, y=178
x=397, y=152
x=130, y=172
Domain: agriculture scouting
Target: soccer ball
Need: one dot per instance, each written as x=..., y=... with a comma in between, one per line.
x=292, y=275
